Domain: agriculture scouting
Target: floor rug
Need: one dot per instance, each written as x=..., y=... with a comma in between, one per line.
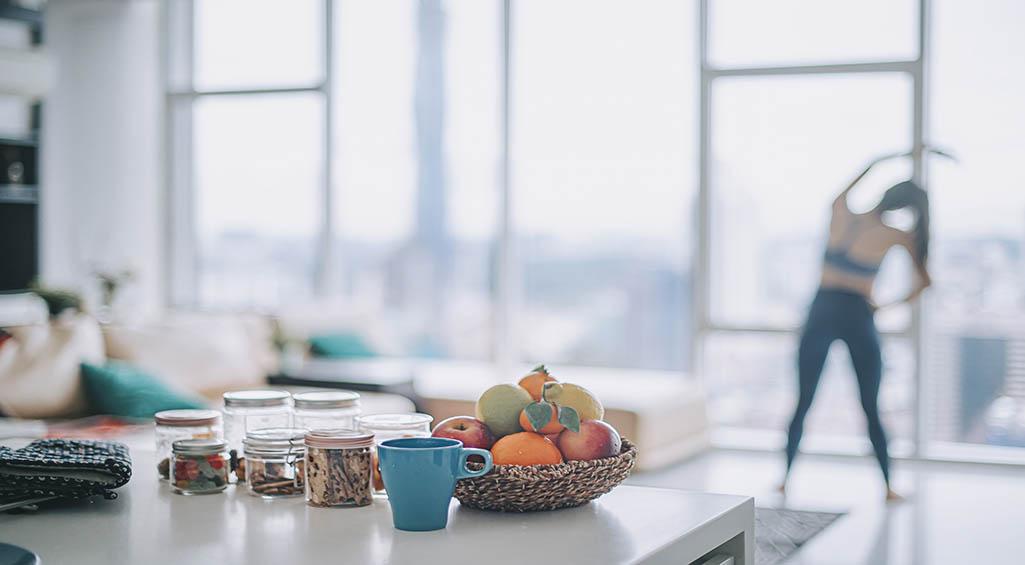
x=780, y=532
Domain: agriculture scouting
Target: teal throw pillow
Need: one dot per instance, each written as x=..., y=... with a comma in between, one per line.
x=340, y=346
x=119, y=389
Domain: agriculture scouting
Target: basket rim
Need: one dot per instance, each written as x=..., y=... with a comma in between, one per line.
x=626, y=450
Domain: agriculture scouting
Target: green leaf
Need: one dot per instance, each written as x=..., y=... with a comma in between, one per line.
x=539, y=414
x=540, y=369
x=568, y=417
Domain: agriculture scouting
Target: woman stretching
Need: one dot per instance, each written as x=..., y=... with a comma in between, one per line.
x=843, y=307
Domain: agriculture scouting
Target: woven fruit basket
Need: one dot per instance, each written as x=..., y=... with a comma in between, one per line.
x=511, y=488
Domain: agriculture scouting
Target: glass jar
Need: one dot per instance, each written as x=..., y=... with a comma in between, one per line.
x=274, y=462
x=326, y=409
x=172, y=425
x=338, y=468
x=199, y=466
x=392, y=426
x=247, y=410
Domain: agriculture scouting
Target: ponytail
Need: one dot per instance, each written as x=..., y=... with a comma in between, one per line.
x=907, y=194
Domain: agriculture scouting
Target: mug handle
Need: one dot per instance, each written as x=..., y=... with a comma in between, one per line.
x=464, y=473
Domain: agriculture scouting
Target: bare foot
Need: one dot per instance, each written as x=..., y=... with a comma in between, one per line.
x=892, y=496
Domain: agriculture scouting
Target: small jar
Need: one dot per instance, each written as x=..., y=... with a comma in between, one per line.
x=392, y=426
x=248, y=410
x=326, y=409
x=199, y=466
x=275, y=465
x=172, y=425
x=338, y=468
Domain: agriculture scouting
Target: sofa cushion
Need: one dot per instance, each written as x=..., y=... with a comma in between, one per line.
x=340, y=346
x=202, y=354
x=39, y=367
x=119, y=389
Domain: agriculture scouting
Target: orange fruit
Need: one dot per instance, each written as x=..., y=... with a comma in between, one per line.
x=535, y=381
x=525, y=448
x=552, y=427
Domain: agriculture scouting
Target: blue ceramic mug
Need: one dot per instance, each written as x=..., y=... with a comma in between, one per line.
x=420, y=476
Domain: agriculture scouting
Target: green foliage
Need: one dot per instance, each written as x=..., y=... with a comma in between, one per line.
x=568, y=417
x=57, y=300
x=538, y=414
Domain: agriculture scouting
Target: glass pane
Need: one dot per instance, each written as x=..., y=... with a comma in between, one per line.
x=782, y=149
x=975, y=339
x=257, y=162
x=752, y=384
x=751, y=33
x=15, y=116
x=417, y=155
x=603, y=166
x=258, y=43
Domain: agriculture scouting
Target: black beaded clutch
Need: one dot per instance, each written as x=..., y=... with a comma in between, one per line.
x=63, y=468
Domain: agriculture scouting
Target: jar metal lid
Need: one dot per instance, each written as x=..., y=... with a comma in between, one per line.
x=282, y=441
x=326, y=399
x=256, y=398
x=393, y=421
x=188, y=417
x=339, y=438
x=199, y=446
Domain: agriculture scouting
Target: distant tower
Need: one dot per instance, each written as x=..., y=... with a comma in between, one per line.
x=431, y=227
x=418, y=272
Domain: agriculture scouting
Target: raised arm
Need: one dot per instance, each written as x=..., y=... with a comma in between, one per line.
x=842, y=197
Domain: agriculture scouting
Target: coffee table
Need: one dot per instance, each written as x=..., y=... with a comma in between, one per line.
x=150, y=524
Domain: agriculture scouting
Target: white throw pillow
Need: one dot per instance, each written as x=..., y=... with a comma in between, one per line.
x=39, y=367
x=203, y=354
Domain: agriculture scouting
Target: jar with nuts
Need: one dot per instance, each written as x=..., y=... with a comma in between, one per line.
x=274, y=462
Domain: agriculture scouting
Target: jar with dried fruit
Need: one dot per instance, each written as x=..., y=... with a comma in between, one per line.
x=199, y=466
x=275, y=465
x=392, y=426
x=338, y=468
x=172, y=425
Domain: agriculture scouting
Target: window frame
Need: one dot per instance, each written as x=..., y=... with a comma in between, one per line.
x=921, y=446
x=181, y=246
x=704, y=323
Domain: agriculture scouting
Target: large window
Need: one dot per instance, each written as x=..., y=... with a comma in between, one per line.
x=603, y=179
x=974, y=327
x=418, y=130
x=797, y=101
x=641, y=186
x=781, y=147
x=410, y=165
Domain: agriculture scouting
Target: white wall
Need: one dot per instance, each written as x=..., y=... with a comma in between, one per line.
x=101, y=183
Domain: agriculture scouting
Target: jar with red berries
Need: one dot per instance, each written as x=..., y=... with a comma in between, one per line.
x=199, y=466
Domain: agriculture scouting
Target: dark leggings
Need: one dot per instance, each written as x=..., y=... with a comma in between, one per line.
x=847, y=316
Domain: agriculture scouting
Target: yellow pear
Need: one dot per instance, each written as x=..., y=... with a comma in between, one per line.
x=586, y=404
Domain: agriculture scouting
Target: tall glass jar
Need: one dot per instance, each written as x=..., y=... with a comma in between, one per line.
x=274, y=462
x=392, y=426
x=247, y=410
x=326, y=409
x=339, y=468
x=172, y=425
x=199, y=466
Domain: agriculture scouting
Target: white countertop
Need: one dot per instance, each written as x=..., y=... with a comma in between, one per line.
x=150, y=524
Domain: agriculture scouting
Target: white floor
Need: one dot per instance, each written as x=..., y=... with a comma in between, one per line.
x=955, y=513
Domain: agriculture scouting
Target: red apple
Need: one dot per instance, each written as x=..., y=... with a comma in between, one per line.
x=467, y=429
x=595, y=440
